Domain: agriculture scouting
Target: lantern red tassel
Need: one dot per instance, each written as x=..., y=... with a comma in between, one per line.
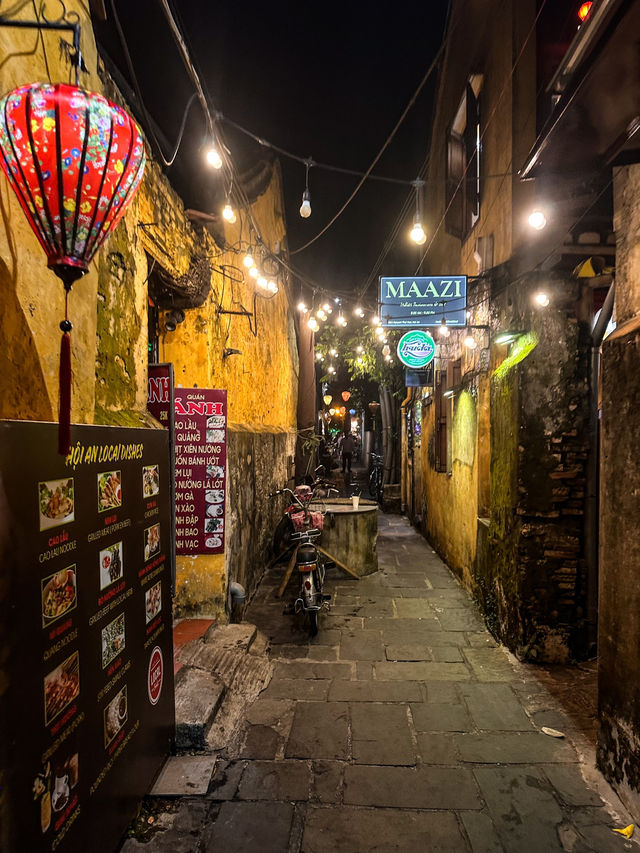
x=64, y=399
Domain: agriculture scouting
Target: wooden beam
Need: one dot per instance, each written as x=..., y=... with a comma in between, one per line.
x=338, y=563
x=285, y=579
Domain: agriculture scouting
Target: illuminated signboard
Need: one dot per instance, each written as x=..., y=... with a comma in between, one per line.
x=416, y=349
x=423, y=301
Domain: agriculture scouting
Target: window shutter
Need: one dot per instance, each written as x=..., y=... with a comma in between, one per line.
x=454, y=218
x=471, y=155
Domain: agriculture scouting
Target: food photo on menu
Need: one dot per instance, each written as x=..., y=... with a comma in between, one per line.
x=61, y=687
x=109, y=490
x=215, y=436
x=150, y=480
x=59, y=594
x=153, y=601
x=115, y=715
x=56, y=503
x=151, y=541
x=213, y=542
x=214, y=525
x=54, y=787
x=111, y=565
x=215, y=510
x=215, y=472
x=214, y=496
x=215, y=422
x=113, y=640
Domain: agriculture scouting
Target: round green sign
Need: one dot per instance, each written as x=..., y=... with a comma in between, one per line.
x=416, y=349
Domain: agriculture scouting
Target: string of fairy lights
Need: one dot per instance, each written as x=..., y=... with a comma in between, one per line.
x=261, y=264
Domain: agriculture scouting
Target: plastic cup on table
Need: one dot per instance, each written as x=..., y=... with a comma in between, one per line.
x=355, y=500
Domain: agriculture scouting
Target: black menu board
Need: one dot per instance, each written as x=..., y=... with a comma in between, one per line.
x=86, y=681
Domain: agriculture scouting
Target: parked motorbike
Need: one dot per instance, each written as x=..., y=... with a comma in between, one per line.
x=310, y=566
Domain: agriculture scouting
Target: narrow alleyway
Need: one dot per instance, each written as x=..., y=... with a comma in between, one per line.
x=402, y=726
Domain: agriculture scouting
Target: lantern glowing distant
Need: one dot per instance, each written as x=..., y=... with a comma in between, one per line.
x=74, y=159
x=345, y=395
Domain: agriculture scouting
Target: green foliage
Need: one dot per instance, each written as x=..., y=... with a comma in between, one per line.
x=366, y=366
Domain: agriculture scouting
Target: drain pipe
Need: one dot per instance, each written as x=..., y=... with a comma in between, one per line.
x=593, y=460
x=238, y=600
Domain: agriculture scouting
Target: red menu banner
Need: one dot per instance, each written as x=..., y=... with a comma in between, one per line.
x=200, y=470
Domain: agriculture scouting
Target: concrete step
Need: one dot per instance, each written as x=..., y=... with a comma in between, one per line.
x=211, y=668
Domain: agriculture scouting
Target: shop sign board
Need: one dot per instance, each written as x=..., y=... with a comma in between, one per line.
x=160, y=404
x=201, y=470
x=422, y=301
x=87, y=705
x=416, y=349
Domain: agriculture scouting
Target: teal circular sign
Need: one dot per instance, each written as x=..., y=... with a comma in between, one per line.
x=416, y=349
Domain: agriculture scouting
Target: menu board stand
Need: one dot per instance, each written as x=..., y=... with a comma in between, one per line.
x=86, y=683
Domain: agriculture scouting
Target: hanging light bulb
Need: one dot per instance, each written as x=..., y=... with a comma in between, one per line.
x=272, y=287
x=331, y=369
x=375, y=320
x=358, y=311
x=359, y=348
x=537, y=220
x=333, y=352
x=417, y=232
x=302, y=308
x=248, y=259
x=229, y=213
x=443, y=329
x=541, y=299
x=326, y=307
x=305, y=207
x=319, y=358
x=470, y=342
x=213, y=157
x=254, y=272
x=359, y=360
x=313, y=324
x=380, y=332
x=261, y=282
x=341, y=320
x=320, y=314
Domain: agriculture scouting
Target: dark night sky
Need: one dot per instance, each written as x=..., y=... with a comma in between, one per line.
x=323, y=80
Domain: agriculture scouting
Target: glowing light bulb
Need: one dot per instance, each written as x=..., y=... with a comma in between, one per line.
x=320, y=314
x=331, y=369
x=468, y=315
x=341, y=321
x=380, y=332
x=358, y=311
x=333, y=352
x=443, y=329
x=537, y=220
x=248, y=260
x=470, y=342
x=313, y=324
x=228, y=213
x=272, y=287
x=305, y=207
x=261, y=282
x=359, y=360
x=359, y=349
x=375, y=320
x=302, y=308
x=541, y=299
x=417, y=234
x=213, y=158
x=326, y=307
x=254, y=273
x=318, y=356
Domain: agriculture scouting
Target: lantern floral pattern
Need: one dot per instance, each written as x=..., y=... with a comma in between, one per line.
x=74, y=160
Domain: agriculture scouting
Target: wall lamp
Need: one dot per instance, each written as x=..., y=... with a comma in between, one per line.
x=173, y=319
x=507, y=337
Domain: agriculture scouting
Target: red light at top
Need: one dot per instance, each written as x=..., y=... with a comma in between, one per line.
x=583, y=11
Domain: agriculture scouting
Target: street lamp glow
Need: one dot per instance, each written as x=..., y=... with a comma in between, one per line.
x=417, y=234
x=213, y=158
x=537, y=220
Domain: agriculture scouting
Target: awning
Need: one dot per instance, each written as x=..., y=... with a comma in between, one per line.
x=596, y=122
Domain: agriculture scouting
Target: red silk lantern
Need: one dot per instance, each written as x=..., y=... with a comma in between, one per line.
x=346, y=395
x=74, y=159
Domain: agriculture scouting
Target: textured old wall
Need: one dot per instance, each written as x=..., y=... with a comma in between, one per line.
x=619, y=615
x=262, y=385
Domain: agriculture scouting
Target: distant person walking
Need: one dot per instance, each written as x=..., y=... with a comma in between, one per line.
x=348, y=446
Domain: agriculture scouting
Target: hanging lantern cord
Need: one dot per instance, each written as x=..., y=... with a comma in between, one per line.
x=64, y=398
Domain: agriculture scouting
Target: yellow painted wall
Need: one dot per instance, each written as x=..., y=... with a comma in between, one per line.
x=108, y=308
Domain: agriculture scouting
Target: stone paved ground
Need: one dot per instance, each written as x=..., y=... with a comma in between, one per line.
x=402, y=726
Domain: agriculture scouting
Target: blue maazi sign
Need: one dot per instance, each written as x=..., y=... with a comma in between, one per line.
x=422, y=301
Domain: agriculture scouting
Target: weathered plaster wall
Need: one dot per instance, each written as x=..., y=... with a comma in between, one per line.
x=619, y=615
x=262, y=384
